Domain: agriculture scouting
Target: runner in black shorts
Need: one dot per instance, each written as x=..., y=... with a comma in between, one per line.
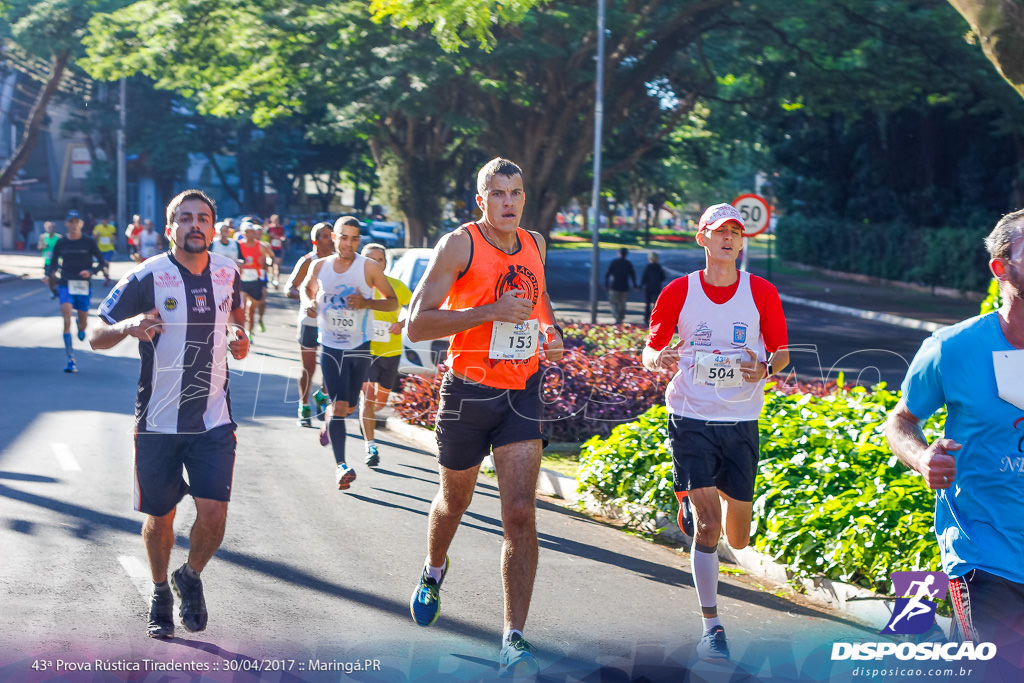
x=323, y=246
x=732, y=337
x=485, y=288
x=386, y=346
x=186, y=298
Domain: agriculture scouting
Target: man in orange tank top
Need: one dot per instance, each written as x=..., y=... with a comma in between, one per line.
x=485, y=288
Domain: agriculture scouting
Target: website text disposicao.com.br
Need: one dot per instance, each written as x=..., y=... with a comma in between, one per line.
x=911, y=672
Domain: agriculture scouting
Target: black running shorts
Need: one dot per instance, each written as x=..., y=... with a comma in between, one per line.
x=384, y=371
x=990, y=609
x=473, y=418
x=208, y=457
x=718, y=454
x=344, y=372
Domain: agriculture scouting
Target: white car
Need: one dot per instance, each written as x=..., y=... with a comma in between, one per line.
x=417, y=357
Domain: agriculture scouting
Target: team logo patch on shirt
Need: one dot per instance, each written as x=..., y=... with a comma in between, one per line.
x=739, y=334
x=225, y=305
x=168, y=280
x=521, y=278
x=170, y=303
x=702, y=335
x=223, y=276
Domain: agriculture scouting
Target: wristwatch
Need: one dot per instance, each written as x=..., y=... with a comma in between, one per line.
x=768, y=367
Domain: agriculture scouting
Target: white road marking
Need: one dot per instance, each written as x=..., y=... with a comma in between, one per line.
x=65, y=458
x=138, y=572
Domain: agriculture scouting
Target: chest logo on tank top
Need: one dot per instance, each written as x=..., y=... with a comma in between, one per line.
x=739, y=334
x=520, y=278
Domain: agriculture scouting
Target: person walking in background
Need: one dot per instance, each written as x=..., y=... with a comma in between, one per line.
x=47, y=241
x=619, y=277
x=105, y=235
x=184, y=307
x=132, y=234
x=485, y=287
x=975, y=369
x=385, y=351
x=651, y=281
x=26, y=230
x=732, y=337
x=148, y=241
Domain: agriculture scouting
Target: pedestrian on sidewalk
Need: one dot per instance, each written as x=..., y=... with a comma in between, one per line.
x=732, y=337
x=485, y=287
x=619, y=277
x=184, y=307
x=651, y=281
x=975, y=368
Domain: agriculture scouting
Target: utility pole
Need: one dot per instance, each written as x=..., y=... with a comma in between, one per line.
x=595, y=193
x=122, y=182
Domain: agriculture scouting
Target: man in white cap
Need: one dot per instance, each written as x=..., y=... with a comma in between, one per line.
x=732, y=337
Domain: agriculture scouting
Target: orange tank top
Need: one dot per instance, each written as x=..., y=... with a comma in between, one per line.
x=253, y=256
x=491, y=273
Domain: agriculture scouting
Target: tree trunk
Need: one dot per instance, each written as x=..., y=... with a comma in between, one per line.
x=999, y=26
x=35, y=120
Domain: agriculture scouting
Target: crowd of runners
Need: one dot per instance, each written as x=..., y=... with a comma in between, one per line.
x=719, y=331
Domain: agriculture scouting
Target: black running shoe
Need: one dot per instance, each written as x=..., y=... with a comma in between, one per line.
x=161, y=615
x=193, y=605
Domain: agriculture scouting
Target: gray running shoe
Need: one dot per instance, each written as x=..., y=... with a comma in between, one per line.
x=517, y=658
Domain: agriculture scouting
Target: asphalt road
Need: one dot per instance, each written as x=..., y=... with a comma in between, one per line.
x=310, y=578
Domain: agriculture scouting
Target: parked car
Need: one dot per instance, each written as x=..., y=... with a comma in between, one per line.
x=391, y=235
x=417, y=357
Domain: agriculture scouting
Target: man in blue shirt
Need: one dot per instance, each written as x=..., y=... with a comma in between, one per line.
x=975, y=369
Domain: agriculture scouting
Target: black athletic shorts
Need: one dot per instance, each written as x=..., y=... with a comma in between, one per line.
x=474, y=418
x=344, y=372
x=208, y=457
x=719, y=454
x=990, y=609
x=255, y=289
x=307, y=336
x=384, y=371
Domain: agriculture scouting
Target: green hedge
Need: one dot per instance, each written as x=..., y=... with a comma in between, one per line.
x=953, y=257
x=831, y=498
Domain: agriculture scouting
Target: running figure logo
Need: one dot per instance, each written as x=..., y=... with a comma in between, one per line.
x=917, y=593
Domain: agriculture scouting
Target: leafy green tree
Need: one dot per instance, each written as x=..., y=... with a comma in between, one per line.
x=51, y=30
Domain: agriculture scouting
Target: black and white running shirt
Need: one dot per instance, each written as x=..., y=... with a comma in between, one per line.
x=183, y=381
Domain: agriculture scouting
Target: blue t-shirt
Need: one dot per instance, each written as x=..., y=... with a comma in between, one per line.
x=979, y=519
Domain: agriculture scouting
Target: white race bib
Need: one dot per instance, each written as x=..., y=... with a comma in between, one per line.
x=249, y=275
x=78, y=287
x=381, y=331
x=718, y=369
x=1009, y=367
x=105, y=241
x=514, y=342
x=341, y=320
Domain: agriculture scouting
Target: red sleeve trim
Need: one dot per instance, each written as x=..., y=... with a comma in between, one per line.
x=665, y=316
x=773, y=320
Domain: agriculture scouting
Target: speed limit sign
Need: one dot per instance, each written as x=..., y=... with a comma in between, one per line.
x=755, y=212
